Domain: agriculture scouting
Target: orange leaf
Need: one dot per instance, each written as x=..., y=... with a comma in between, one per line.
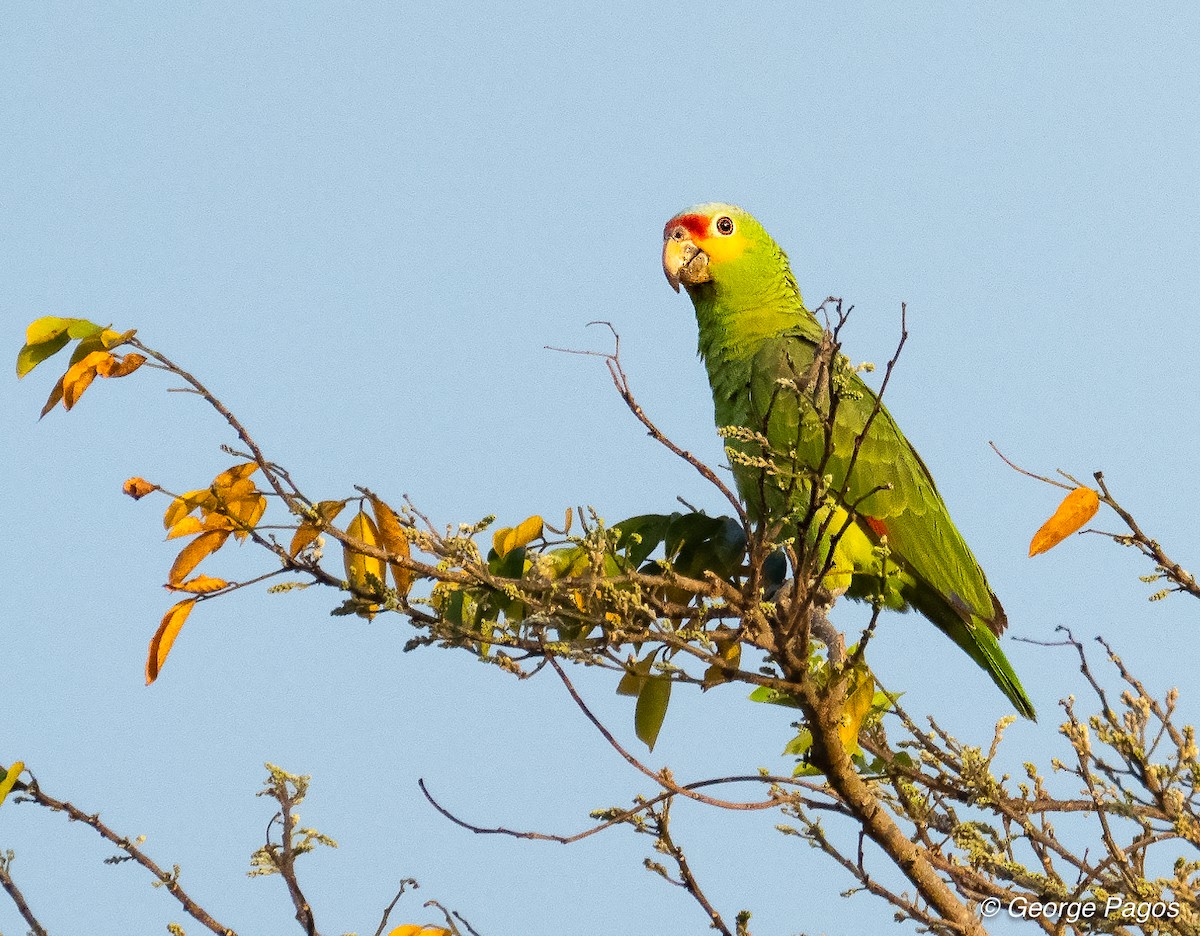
x=55, y=396
x=164, y=637
x=308, y=531
x=1076, y=509
x=183, y=505
x=245, y=512
x=393, y=538
x=120, y=366
x=200, y=585
x=187, y=526
x=137, y=488
x=79, y=376
x=194, y=552
x=226, y=479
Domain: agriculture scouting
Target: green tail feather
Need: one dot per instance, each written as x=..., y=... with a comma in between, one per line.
x=975, y=636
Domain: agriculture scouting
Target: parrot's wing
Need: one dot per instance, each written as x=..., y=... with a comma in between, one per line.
x=878, y=477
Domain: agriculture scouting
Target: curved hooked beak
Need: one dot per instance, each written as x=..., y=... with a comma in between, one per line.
x=683, y=261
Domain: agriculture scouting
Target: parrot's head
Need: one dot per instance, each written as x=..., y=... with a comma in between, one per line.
x=717, y=244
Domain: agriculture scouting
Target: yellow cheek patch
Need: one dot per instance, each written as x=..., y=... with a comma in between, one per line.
x=721, y=248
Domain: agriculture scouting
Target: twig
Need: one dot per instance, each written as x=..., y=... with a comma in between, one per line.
x=169, y=880
x=687, y=879
x=6, y=881
x=387, y=911
x=660, y=777
x=620, y=380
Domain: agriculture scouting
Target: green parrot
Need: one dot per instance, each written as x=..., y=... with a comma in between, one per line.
x=760, y=346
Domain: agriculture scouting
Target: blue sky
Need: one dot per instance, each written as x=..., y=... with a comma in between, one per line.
x=361, y=224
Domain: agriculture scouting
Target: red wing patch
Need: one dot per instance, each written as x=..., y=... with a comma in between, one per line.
x=878, y=527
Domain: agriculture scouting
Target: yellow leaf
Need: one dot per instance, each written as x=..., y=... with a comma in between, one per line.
x=415, y=929
x=200, y=585
x=183, y=505
x=188, y=526
x=246, y=512
x=227, y=478
x=137, y=488
x=164, y=637
x=1076, y=509
x=110, y=339
x=80, y=375
x=10, y=778
x=309, y=531
x=360, y=569
x=506, y=540
x=194, y=552
x=393, y=538
x=46, y=329
x=858, y=705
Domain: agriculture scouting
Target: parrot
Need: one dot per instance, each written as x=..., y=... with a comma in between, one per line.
x=884, y=519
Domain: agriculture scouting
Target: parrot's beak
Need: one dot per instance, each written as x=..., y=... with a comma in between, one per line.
x=683, y=261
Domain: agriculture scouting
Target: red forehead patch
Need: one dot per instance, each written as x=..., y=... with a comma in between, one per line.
x=694, y=224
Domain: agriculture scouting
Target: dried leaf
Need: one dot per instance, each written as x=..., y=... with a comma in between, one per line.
x=54, y=398
x=393, y=538
x=308, y=531
x=194, y=552
x=164, y=637
x=121, y=366
x=137, y=488
x=200, y=585
x=1076, y=509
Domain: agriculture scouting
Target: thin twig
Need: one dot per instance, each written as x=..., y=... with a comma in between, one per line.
x=387, y=911
x=169, y=880
x=10, y=887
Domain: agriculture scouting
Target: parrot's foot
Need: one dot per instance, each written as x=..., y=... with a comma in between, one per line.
x=819, y=626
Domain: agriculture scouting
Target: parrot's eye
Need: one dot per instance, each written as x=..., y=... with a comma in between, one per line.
x=724, y=225
x=677, y=234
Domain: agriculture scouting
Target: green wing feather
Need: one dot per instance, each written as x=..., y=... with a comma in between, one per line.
x=886, y=487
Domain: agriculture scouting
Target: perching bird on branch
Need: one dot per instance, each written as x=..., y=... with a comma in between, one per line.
x=774, y=386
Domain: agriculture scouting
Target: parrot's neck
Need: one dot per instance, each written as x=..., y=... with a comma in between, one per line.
x=733, y=325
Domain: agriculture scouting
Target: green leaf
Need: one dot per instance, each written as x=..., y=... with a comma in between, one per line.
x=31, y=356
x=640, y=536
x=510, y=565
x=635, y=676
x=717, y=545
x=82, y=328
x=773, y=697
x=652, y=708
x=800, y=744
